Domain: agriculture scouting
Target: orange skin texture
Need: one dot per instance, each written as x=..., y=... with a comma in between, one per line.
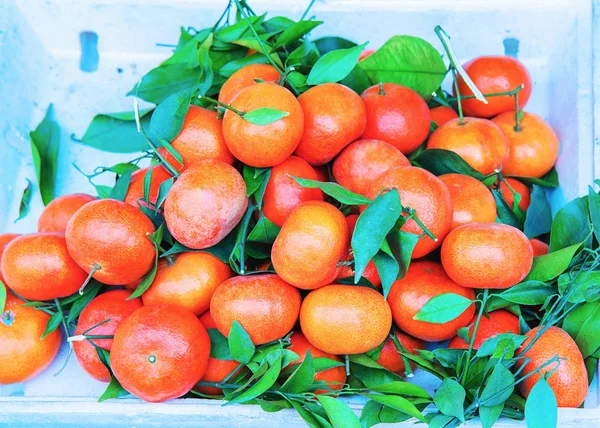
x=334, y=116
x=345, y=319
x=335, y=378
x=56, y=215
x=471, y=199
x=424, y=281
x=428, y=195
x=495, y=323
x=442, y=114
x=494, y=74
x=267, y=145
x=400, y=117
x=365, y=53
x=569, y=382
x=111, y=305
x=39, y=267
x=539, y=248
x=244, y=77
x=189, y=282
x=310, y=244
x=171, y=336
x=390, y=357
x=114, y=235
x=5, y=238
x=533, y=150
x=518, y=187
x=265, y=305
x=283, y=193
x=205, y=204
x=135, y=193
x=363, y=161
x=480, y=142
x=200, y=138
x=22, y=354
x=487, y=255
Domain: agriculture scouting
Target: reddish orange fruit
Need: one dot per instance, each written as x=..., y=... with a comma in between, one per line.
x=112, y=238
x=205, y=204
x=363, y=161
x=113, y=306
x=245, y=77
x=345, y=319
x=425, y=193
x=539, y=248
x=424, y=281
x=135, y=193
x=518, y=187
x=322, y=173
x=569, y=380
x=334, y=116
x=442, y=114
x=263, y=145
x=493, y=74
x=310, y=245
x=5, y=238
x=480, y=142
x=56, y=215
x=189, y=281
x=487, y=255
x=160, y=352
x=533, y=149
x=495, y=323
x=23, y=355
x=265, y=305
x=471, y=199
x=390, y=357
x=398, y=116
x=39, y=267
x=283, y=193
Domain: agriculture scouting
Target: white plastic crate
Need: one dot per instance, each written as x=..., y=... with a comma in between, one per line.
x=40, y=55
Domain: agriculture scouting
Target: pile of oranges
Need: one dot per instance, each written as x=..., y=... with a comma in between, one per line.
x=159, y=343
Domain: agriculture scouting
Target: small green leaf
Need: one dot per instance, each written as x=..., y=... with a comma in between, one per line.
x=365, y=361
x=206, y=65
x=121, y=186
x=264, y=383
x=321, y=364
x=541, y=410
x=528, y=293
x=147, y=185
x=222, y=250
x=295, y=31
x=167, y=119
x=387, y=269
x=506, y=214
x=334, y=65
x=489, y=415
x=81, y=302
x=219, y=345
x=505, y=340
x=370, y=414
x=163, y=191
x=443, y=308
x=538, y=219
x=334, y=190
x=448, y=357
x=2, y=297
x=402, y=245
x=401, y=388
x=45, y=140
x=264, y=116
x=549, y=266
x=230, y=33
x=25, y=200
x=265, y=231
x=440, y=161
x=339, y=413
x=302, y=378
x=52, y=324
x=440, y=421
x=240, y=345
x=498, y=387
x=583, y=324
x=254, y=178
x=450, y=399
x=399, y=403
x=113, y=390
x=148, y=279
x=571, y=225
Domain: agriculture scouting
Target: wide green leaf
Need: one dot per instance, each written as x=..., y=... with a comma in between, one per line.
x=401, y=388
x=263, y=384
x=339, y=413
x=165, y=80
x=334, y=65
x=583, y=324
x=295, y=31
x=302, y=378
x=450, y=399
x=548, y=180
x=265, y=231
x=399, y=403
x=581, y=286
x=549, y=266
x=45, y=140
x=388, y=269
x=498, y=387
x=334, y=190
x=443, y=308
x=489, y=415
x=528, y=293
x=264, y=116
x=167, y=119
x=240, y=345
x=219, y=345
x=541, y=410
x=538, y=219
x=571, y=225
x=328, y=44
x=440, y=161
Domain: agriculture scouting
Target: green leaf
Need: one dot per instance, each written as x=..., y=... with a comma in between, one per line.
x=302, y=378
x=443, y=308
x=365, y=361
x=398, y=403
x=264, y=383
x=571, y=225
x=222, y=250
x=401, y=388
x=541, y=410
x=264, y=116
x=163, y=191
x=295, y=31
x=549, y=266
x=232, y=66
x=594, y=205
x=339, y=413
x=121, y=186
x=240, y=345
x=265, y=231
x=489, y=415
x=506, y=214
x=219, y=345
x=321, y=364
x=548, y=180
x=2, y=297
x=538, y=219
x=25, y=200
x=591, y=366
x=305, y=55
x=387, y=269
x=149, y=278
x=164, y=80
x=167, y=119
x=113, y=390
x=52, y=324
x=328, y=44
x=369, y=415
x=402, y=245
x=448, y=357
x=440, y=162
x=334, y=190
x=583, y=325
x=528, y=293
x=498, y=387
x=230, y=33
x=205, y=61
x=79, y=304
x=450, y=399
x=408, y=61
x=503, y=340
x=372, y=377
x=334, y=65
x=440, y=421
x=45, y=140
x=584, y=287
x=358, y=80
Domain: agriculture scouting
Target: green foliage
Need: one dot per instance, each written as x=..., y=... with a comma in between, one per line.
x=25, y=200
x=45, y=140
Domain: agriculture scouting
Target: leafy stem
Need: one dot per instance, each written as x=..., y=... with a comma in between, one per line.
x=220, y=104
x=458, y=98
x=401, y=350
x=493, y=94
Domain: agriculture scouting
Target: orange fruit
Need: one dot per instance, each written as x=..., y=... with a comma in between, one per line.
x=345, y=319
x=39, y=267
x=265, y=305
x=424, y=281
x=480, y=142
x=334, y=116
x=390, y=357
x=363, y=161
x=539, y=248
x=335, y=378
x=518, y=187
x=490, y=325
x=113, y=306
x=56, y=214
x=245, y=77
x=442, y=114
x=23, y=355
x=5, y=238
x=310, y=245
x=283, y=193
x=365, y=53
x=398, y=116
x=113, y=236
x=493, y=74
x=428, y=195
x=189, y=281
x=533, y=149
x=322, y=173
x=263, y=145
x=200, y=138
x=160, y=352
x=205, y=204
x=487, y=255
x=471, y=199
x=569, y=382
x=135, y=193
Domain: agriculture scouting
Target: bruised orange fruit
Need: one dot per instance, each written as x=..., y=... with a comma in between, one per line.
x=244, y=77
x=472, y=201
x=135, y=193
x=56, y=214
x=490, y=325
x=390, y=358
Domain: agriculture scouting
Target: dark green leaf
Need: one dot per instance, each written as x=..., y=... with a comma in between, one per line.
x=113, y=390
x=45, y=140
x=448, y=357
x=387, y=269
x=583, y=324
x=205, y=61
x=306, y=55
x=219, y=346
x=334, y=190
x=370, y=414
x=52, y=324
x=222, y=250
x=372, y=377
x=488, y=415
x=295, y=31
x=443, y=308
x=498, y=387
x=264, y=383
x=541, y=410
x=594, y=205
x=339, y=413
x=450, y=399
x=571, y=225
x=240, y=344
x=440, y=161
x=358, y=80
x=232, y=66
x=254, y=178
x=399, y=403
x=322, y=364
x=402, y=245
x=265, y=231
x=121, y=186
x=264, y=116
x=549, y=266
x=163, y=191
x=328, y=44
x=528, y=293
x=25, y=200
x=81, y=302
x=165, y=80
x=538, y=219
x=548, y=180
x=506, y=214
x=584, y=287
x=591, y=366
x=273, y=406
x=148, y=279
x=302, y=378
x=334, y=65
x=167, y=119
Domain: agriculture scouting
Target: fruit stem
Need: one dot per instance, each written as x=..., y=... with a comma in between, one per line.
x=284, y=76
x=82, y=337
x=62, y=317
x=517, y=127
x=493, y=94
x=95, y=269
x=220, y=104
x=381, y=91
x=347, y=361
x=412, y=213
x=472, y=341
x=461, y=120
x=408, y=372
